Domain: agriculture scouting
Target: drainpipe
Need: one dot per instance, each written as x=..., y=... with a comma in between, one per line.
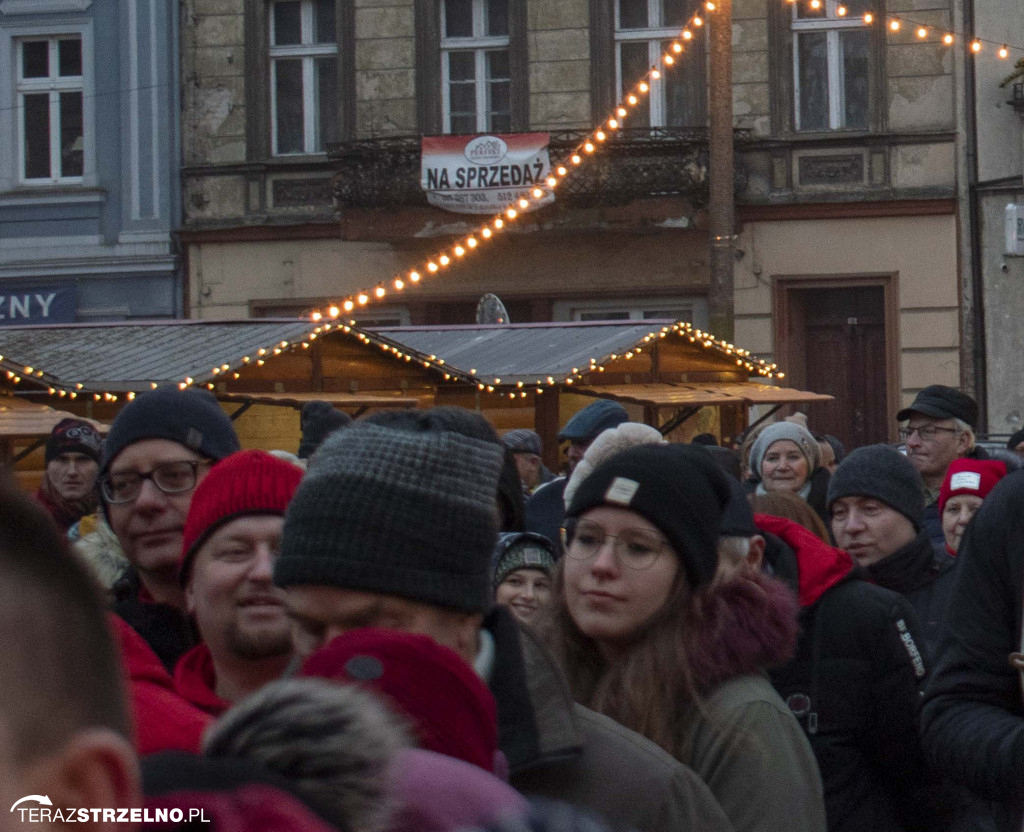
x=978, y=352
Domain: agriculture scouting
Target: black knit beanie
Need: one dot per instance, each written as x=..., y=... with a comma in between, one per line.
x=884, y=474
x=402, y=513
x=192, y=418
x=678, y=488
x=319, y=420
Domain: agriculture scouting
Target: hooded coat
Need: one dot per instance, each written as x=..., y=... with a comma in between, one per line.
x=562, y=751
x=854, y=685
x=973, y=714
x=743, y=741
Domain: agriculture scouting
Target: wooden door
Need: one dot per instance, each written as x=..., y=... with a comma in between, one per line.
x=844, y=355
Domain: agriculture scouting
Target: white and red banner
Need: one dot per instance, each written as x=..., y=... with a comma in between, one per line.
x=484, y=174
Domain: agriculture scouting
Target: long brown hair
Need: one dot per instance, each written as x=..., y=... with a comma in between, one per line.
x=635, y=689
x=699, y=639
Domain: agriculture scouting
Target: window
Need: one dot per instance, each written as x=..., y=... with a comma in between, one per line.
x=303, y=76
x=51, y=123
x=694, y=310
x=476, y=75
x=831, y=71
x=643, y=31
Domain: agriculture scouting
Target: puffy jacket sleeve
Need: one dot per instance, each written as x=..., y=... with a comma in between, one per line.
x=899, y=673
x=972, y=718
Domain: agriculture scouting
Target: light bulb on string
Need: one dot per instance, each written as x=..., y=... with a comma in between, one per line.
x=947, y=39
x=677, y=47
x=698, y=20
x=922, y=32
x=841, y=11
x=894, y=25
x=643, y=86
x=976, y=46
x=815, y=4
x=669, y=60
x=1003, y=51
x=687, y=34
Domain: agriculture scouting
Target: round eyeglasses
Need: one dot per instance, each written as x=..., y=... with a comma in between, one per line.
x=635, y=548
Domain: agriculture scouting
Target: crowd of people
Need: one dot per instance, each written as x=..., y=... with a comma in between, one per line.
x=413, y=624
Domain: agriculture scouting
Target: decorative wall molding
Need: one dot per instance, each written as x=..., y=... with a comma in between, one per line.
x=13, y=7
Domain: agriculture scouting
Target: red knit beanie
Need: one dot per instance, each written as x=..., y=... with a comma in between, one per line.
x=247, y=482
x=970, y=476
x=451, y=709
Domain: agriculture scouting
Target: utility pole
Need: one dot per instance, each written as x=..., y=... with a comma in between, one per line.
x=721, y=214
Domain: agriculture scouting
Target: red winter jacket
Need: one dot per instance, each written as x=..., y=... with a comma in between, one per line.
x=195, y=680
x=164, y=721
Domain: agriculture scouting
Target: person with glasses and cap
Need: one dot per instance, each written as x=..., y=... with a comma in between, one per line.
x=160, y=446
x=648, y=637
x=940, y=425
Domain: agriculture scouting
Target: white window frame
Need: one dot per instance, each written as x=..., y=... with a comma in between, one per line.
x=574, y=310
x=832, y=25
x=656, y=33
x=14, y=86
x=308, y=52
x=480, y=44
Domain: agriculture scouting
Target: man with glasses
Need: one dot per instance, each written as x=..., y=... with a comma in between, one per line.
x=158, y=449
x=940, y=428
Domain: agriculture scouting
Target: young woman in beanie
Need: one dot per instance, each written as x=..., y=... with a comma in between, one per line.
x=786, y=457
x=648, y=637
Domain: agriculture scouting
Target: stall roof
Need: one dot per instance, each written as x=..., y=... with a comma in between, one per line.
x=701, y=395
x=116, y=358
x=20, y=419
x=548, y=352
x=343, y=400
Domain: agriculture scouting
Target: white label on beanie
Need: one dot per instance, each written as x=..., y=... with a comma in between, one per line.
x=621, y=491
x=532, y=556
x=965, y=479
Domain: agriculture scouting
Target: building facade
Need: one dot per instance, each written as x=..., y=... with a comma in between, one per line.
x=995, y=183
x=89, y=160
x=302, y=134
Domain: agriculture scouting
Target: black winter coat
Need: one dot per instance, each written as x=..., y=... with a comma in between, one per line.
x=854, y=685
x=973, y=716
x=925, y=578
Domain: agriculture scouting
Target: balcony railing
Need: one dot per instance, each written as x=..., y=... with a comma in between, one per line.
x=632, y=164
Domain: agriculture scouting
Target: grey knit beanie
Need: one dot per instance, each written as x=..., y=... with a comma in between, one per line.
x=884, y=474
x=396, y=512
x=784, y=430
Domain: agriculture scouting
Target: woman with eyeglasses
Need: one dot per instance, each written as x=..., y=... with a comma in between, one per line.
x=647, y=636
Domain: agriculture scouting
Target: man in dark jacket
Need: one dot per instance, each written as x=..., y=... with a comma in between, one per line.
x=158, y=449
x=876, y=503
x=545, y=510
x=973, y=718
x=940, y=428
x=854, y=684
x=394, y=527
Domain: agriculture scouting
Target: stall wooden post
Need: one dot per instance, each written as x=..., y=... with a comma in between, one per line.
x=546, y=423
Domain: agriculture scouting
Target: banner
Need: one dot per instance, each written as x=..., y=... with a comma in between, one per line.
x=484, y=174
x=43, y=305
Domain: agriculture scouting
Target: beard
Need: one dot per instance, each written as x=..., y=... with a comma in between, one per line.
x=255, y=643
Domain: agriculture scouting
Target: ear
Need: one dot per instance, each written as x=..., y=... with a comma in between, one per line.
x=467, y=636
x=97, y=768
x=755, y=554
x=963, y=443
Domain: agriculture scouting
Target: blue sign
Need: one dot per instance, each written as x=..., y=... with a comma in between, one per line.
x=44, y=305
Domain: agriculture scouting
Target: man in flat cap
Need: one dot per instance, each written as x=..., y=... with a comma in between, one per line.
x=940, y=428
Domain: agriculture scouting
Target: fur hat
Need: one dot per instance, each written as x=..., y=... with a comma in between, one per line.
x=608, y=443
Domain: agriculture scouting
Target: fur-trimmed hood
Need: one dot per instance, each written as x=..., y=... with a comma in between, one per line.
x=742, y=626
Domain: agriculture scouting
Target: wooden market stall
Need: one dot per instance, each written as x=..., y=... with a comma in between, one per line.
x=668, y=374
